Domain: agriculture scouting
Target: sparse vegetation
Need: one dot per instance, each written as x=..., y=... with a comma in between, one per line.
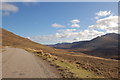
x=100, y=66
x=67, y=69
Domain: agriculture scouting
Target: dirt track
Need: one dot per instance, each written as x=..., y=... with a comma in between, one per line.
x=18, y=63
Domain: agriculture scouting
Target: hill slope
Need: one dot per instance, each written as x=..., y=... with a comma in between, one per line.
x=11, y=39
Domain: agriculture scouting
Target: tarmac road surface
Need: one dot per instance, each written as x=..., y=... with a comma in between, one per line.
x=18, y=63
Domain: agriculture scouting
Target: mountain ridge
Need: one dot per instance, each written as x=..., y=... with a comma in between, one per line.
x=102, y=46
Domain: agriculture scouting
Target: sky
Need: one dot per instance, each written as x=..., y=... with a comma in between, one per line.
x=58, y=22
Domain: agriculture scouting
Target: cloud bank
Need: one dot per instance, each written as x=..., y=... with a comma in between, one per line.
x=108, y=24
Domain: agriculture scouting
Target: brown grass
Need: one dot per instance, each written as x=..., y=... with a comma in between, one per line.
x=104, y=67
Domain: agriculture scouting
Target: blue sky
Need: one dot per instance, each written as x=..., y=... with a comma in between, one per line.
x=56, y=22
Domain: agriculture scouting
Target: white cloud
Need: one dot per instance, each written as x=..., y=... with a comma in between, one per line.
x=86, y=34
x=90, y=33
x=65, y=33
x=62, y=35
x=7, y=8
x=74, y=21
x=109, y=24
x=75, y=25
x=102, y=14
x=57, y=25
x=66, y=30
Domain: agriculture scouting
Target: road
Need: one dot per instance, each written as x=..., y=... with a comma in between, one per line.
x=18, y=63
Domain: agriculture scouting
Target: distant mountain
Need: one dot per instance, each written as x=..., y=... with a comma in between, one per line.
x=103, y=46
x=61, y=45
x=108, y=40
